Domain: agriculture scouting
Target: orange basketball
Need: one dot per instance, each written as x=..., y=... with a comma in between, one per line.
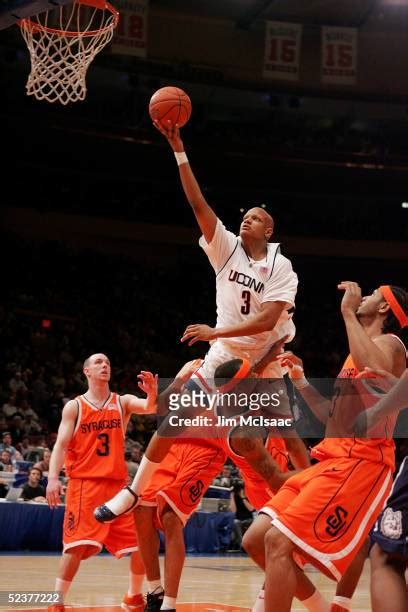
x=170, y=103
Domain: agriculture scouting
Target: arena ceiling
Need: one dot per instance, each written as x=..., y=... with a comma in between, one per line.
x=368, y=14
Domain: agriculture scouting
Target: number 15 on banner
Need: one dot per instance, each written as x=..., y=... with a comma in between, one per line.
x=282, y=47
x=282, y=50
x=339, y=55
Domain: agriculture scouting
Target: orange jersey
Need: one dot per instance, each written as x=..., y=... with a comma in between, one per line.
x=256, y=489
x=348, y=401
x=97, y=448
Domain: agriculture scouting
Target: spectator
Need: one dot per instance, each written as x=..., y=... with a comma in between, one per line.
x=30, y=425
x=25, y=447
x=10, y=408
x=3, y=487
x=17, y=384
x=7, y=445
x=26, y=411
x=6, y=464
x=17, y=430
x=132, y=466
x=44, y=464
x=33, y=490
x=225, y=478
x=136, y=452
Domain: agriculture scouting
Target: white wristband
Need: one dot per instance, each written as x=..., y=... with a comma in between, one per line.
x=300, y=383
x=343, y=602
x=181, y=158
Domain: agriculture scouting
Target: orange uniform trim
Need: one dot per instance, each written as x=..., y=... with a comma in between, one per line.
x=242, y=373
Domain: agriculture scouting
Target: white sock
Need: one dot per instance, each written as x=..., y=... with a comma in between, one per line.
x=169, y=603
x=343, y=602
x=62, y=585
x=154, y=585
x=259, y=605
x=121, y=502
x=144, y=473
x=135, y=583
x=316, y=603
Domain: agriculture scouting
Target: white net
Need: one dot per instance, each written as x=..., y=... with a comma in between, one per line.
x=62, y=44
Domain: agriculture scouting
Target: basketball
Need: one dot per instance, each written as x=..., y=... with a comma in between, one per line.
x=170, y=103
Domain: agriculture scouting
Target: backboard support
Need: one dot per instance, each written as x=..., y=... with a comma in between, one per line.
x=12, y=11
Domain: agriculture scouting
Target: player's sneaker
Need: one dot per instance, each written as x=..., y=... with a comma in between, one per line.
x=122, y=503
x=154, y=601
x=133, y=602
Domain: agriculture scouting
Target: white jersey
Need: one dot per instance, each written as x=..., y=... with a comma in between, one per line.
x=243, y=285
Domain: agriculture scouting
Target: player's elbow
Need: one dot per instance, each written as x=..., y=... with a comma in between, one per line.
x=270, y=317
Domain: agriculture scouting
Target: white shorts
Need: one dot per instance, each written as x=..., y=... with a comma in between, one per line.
x=220, y=353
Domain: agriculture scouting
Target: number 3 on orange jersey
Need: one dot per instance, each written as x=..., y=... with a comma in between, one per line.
x=103, y=450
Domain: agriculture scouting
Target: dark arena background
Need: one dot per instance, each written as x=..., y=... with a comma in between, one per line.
x=299, y=107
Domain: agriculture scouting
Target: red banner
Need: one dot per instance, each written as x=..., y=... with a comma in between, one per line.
x=130, y=37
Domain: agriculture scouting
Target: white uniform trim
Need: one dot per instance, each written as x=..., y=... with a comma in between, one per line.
x=312, y=552
x=352, y=544
x=125, y=551
x=79, y=416
x=268, y=511
x=122, y=411
x=81, y=543
x=399, y=339
x=183, y=517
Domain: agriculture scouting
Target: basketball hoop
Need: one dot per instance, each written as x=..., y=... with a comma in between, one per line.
x=62, y=44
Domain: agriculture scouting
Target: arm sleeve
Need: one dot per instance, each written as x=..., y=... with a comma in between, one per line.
x=221, y=247
x=282, y=285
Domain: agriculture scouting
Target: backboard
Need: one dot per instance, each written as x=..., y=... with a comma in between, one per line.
x=13, y=10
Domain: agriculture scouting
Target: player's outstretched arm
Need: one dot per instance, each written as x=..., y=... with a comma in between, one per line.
x=206, y=217
x=136, y=405
x=319, y=404
x=65, y=432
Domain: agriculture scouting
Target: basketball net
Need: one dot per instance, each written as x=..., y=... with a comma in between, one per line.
x=62, y=44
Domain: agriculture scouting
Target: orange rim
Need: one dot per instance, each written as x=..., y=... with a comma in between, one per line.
x=99, y=4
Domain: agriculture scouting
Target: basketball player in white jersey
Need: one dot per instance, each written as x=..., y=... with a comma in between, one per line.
x=256, y=288
x=256, y=285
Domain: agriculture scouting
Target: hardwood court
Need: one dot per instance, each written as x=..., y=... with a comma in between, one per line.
x=208, y=583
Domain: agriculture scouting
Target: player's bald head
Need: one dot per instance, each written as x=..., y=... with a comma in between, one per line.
x=94, y=357
x=265, y=216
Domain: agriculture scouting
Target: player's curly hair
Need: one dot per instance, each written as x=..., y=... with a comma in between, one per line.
x=391, y=325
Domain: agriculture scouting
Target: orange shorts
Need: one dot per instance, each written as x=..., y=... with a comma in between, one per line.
x=183, y=477
x=256, y=489
x=80, y=526
x=329, y=509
